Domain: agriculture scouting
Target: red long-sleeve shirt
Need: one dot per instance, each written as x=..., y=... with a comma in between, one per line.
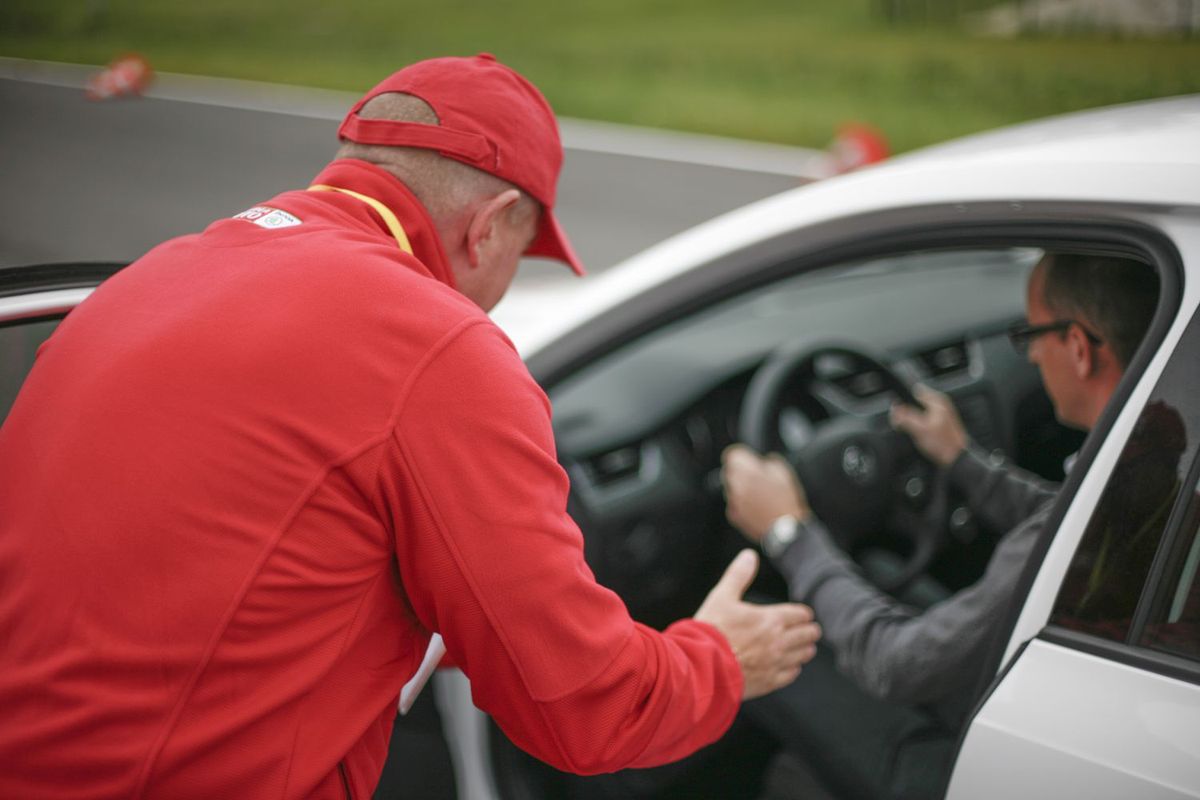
x=245, y=481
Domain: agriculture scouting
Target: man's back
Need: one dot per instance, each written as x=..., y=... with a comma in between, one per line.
x=192, y=562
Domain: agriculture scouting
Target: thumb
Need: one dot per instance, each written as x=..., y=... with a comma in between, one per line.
x=738, y=575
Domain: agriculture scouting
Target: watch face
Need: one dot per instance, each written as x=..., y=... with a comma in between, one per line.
x=781, y=533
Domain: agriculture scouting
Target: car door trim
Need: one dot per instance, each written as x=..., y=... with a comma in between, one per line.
x=46, y=304
x=30, y=279
x=1131, y=655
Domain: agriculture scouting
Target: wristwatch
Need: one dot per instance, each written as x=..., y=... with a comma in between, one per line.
x=782, y=533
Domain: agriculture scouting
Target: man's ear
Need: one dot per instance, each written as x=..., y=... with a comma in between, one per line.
x=484, y=223
x=1083, y=352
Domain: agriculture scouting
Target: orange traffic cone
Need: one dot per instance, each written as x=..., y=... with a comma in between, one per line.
x=856, y=145
x=127, y=76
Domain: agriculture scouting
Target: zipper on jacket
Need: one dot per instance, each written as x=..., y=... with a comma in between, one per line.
x=345, y=780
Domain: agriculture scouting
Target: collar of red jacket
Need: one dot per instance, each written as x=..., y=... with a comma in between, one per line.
x=379, y=184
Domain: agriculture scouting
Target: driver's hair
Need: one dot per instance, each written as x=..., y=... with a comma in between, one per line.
x=444, y=186
x=1116, y=295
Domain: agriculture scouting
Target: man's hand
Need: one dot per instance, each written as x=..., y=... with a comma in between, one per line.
x=760, y=490
x=937, y=431
x=772, y=642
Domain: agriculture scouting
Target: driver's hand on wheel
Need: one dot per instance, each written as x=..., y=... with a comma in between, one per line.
x=760, y=490
x=771, y=642
x=937, y=431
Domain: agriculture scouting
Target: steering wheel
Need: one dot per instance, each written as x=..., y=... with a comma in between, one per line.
x=860, y=475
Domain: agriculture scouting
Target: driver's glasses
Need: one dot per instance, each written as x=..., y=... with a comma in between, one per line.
x=1022, y=335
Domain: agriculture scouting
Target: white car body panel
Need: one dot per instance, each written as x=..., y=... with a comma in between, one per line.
x=1069, y=724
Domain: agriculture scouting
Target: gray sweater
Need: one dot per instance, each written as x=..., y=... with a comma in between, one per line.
x=903, y=654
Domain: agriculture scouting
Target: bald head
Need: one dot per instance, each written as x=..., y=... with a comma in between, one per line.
x=444, y=186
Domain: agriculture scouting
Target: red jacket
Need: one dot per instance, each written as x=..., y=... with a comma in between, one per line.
x=245, y=481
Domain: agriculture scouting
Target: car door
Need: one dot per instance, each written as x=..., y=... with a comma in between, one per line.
x=1104, y=702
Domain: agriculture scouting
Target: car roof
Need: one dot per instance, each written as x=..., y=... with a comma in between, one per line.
x=1143, y=132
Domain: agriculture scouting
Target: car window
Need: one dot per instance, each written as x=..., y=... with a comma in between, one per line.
x=18, y=347
x=1137, y=545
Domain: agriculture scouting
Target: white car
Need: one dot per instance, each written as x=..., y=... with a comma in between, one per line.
x=919, y=264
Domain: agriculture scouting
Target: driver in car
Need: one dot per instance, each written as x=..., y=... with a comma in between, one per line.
x=877, y=716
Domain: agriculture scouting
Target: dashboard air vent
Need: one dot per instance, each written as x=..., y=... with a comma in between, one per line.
x=615, y=465
x=862, y=385
x=945, y=360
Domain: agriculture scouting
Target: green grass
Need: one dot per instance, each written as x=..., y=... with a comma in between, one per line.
x=779, y=71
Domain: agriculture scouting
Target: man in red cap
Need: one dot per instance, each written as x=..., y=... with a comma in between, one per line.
x=251, y=475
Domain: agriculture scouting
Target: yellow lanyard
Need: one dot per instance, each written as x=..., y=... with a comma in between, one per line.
x=385, y=213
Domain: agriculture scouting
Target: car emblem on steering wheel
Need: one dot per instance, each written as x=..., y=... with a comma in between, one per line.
x=859, y=464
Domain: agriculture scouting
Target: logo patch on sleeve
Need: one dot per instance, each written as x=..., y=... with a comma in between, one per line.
x=267, y=217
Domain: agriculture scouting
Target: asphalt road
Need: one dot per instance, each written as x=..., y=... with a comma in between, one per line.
x=105, y=181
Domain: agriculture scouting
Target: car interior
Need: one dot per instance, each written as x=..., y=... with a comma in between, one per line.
x=806, y=366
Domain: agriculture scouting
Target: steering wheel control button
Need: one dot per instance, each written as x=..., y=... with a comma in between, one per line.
x=914, y=488
x=961, y=526
x=859, y=463
x=782, y=533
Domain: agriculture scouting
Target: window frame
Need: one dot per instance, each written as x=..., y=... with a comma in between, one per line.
x=1175, y=531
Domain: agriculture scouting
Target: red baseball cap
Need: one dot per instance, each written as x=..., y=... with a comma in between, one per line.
x=492, y=119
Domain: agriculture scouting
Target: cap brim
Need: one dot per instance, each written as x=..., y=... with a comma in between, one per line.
x=551, y=242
